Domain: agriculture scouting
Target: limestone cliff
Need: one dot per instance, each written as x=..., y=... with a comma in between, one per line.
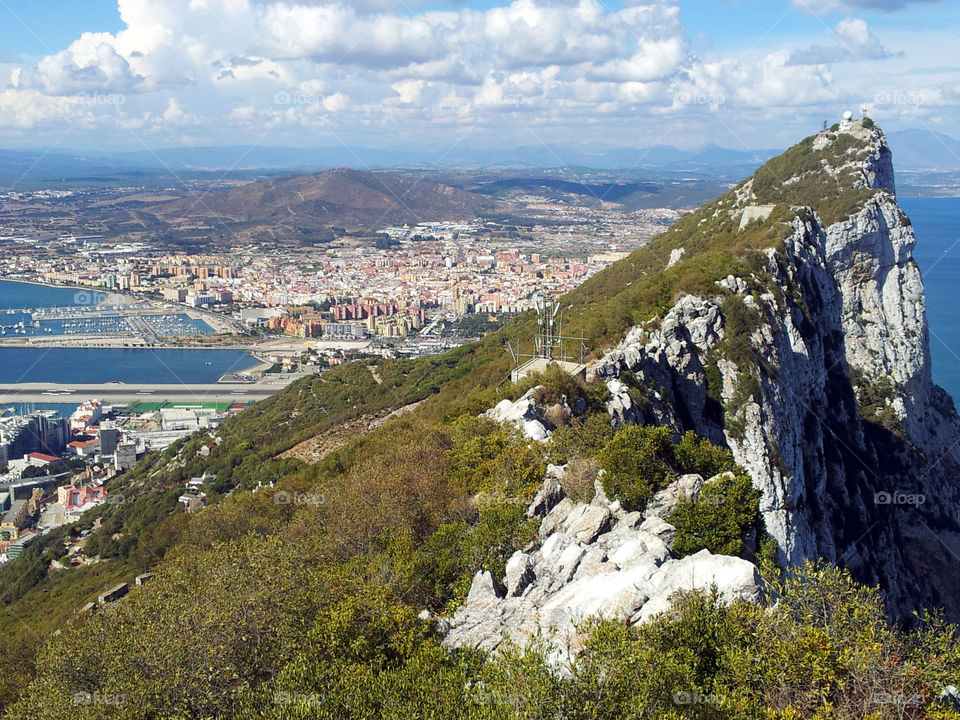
x=814, y=369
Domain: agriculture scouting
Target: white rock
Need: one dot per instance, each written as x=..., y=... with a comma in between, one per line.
x=733, y=577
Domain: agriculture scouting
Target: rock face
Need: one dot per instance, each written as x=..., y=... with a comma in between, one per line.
x=592, y=560
x=531, y=417
x=523, y=414
x=855, y=450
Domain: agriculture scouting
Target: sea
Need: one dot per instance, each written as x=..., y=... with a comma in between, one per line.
x=101, y=365
x=936, y=223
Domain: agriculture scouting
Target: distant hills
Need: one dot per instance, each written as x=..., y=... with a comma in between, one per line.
x=915, y=151
x=351, y=199
x=924, y=150
x=60, y=165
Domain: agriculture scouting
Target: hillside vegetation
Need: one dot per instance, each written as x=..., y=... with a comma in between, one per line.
x=319, y=590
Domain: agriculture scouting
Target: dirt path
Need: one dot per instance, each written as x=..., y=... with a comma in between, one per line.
x=316, y=448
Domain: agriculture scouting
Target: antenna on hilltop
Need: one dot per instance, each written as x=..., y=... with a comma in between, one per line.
x=548, y=344
x=863, y=110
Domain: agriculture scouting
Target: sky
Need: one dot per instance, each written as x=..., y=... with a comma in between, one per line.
x=433, y=74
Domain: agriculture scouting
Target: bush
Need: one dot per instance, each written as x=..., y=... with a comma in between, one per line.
x=720, y=519
x=696, y=455
x=578, y=481
x=640, y=460
x=583, y=437
x=636, y=463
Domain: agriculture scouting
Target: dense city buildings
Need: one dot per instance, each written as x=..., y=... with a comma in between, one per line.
x=391, y=284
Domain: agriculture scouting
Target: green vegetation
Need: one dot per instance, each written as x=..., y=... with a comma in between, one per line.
x=833, y=197
x=299, y=595
x=346, y=642
x=874, y=397
x=640, y=460
x=640, y=286
x=555, y=383
x=720, y=519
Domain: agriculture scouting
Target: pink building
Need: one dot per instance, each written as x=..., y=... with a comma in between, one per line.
x=74, y=497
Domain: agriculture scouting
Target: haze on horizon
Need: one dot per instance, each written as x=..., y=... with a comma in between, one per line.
x=745, y=74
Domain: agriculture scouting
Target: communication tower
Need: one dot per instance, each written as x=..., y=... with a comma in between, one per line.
x=549, y=344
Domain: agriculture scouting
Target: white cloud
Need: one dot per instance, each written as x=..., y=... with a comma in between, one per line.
x=174, y=114
x=409, y=91
x=336, y=102
x=24, y=109
x=857, y=43
x=288, y=65
x=337, y=34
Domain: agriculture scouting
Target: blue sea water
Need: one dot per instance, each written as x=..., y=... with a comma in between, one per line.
x=16, y=297
x=26, y=295
x=62, y=409
x=129, y=365
x=936, y=223
x=96, y=365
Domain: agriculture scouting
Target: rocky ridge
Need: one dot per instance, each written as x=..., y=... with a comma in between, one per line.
x=833, y=412
x=592, y=560
x=814, y=370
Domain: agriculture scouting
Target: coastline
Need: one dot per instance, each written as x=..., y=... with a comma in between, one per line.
x=219, y=324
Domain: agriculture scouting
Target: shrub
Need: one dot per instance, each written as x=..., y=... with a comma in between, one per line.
x=696, y=455
x=578, y=481
x=583, y=437
x=640, y=460
x=720, y=519
x=636, y=463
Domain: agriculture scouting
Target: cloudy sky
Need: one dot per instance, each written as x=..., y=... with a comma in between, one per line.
x=427, y=74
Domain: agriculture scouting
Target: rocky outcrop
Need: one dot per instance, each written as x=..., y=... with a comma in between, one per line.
x=592, y=560
x=839, y=316
x=531, y=417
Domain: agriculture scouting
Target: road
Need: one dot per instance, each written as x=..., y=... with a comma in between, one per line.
x=122, y=393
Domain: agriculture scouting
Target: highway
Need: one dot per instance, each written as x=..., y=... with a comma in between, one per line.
x=123, y=393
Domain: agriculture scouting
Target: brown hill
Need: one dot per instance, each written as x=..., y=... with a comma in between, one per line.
x=355, y=200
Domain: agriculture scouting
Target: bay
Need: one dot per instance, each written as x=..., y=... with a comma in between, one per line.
x=100, y=365
x=21, y=295
x=936, y=223
x=129, y=365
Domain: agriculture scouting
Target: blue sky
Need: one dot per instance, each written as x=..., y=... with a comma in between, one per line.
x=131, y=74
